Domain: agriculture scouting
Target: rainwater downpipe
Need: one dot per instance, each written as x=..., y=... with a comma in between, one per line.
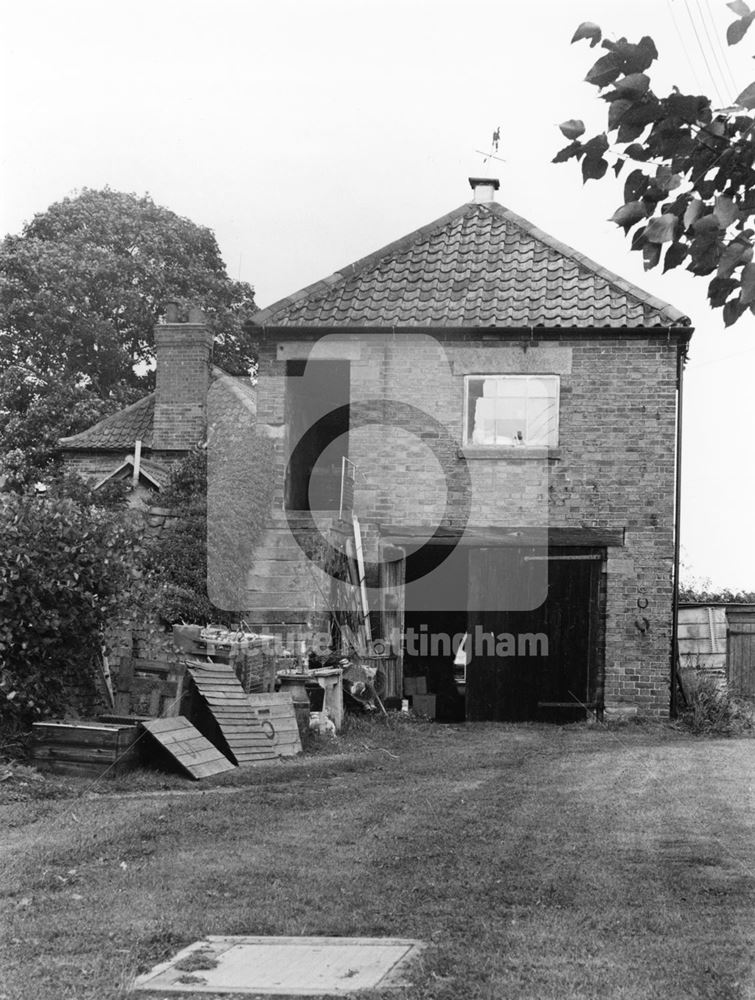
x=680, y=356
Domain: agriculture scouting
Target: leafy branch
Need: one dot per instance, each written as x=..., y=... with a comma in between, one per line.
x=690, y=196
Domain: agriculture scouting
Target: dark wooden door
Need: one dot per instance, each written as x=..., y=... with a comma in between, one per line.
x=740, y=659
x=537, y=663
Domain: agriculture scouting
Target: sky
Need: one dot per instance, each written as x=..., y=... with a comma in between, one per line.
x=308, y=133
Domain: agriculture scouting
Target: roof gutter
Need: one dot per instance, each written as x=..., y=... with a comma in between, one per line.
x=319, y=330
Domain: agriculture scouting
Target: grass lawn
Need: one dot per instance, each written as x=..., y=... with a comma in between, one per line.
x=536, y=862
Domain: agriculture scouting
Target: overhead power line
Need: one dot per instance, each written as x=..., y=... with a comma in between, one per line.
x=704, y=54
x=715, y=46
x=683, y=43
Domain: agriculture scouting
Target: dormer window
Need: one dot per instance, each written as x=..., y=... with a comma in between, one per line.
x=511, y=411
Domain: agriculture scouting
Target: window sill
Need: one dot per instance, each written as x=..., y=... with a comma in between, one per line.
x=507, y=453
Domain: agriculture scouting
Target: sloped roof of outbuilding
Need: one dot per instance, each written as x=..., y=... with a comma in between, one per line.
x=479, y=266
x=120, y=430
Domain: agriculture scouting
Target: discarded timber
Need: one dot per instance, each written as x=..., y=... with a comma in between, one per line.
x=277, y=711
x=89, y=749
x=149, y=687
x=243, y=738
x=188, y=747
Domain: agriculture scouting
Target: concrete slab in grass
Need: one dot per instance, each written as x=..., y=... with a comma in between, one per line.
x=283, y=966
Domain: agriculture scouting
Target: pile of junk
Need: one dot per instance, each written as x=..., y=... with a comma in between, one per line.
x=219, y=698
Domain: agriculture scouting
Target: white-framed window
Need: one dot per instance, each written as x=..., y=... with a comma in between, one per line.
x=511, y=411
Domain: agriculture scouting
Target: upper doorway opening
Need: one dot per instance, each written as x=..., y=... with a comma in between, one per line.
x=317, y=399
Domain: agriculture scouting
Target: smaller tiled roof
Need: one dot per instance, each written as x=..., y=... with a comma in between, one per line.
x=119, y=431
x=479, y=266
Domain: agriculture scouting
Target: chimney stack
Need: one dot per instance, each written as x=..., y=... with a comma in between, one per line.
x=184, y=353
x=484, y=189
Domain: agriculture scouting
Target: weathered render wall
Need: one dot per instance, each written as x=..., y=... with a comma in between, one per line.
x=613, y=468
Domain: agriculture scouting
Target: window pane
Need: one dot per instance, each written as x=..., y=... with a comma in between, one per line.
x=474, y=394
x=541, y=422
x=512, y=410
x=540, y=387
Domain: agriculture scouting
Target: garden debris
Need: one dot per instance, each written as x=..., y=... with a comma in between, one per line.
x=240, y=734
x=276, y=713
x=248, y=653
x=85, y=746
x=188, y=747
x=359, y=682
x=320, y=724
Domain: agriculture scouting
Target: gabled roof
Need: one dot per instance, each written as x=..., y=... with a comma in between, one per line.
x=120, y=430
x=479, y=266
x=117, y=432
x=155, y=474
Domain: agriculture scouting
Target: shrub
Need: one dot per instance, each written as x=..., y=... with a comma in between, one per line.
x=714, y=711
x=65, y=567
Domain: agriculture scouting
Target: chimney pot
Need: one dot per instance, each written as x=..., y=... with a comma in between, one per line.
x=196, y=315
x=171, y=312
x=484, y=189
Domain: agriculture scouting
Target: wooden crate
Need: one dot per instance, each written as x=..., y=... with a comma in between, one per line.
x=88, y=748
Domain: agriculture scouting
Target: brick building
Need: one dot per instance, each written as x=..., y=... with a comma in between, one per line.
x=165, y=425
x=508, y=412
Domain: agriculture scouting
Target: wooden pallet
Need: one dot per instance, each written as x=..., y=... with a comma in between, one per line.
x=188, y=747
x=277, y=711
x=248, y=740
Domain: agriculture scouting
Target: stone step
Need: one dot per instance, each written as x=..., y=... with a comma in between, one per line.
x=280, y=564
x=279, y=581
x=285, y=598
x=277, y=616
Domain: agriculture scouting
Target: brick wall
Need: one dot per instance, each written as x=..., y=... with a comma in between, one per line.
x=183, y=352
x=92, y=465
x=614, y=466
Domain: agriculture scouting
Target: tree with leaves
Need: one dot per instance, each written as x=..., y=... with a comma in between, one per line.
x=35, y=413
x=66, y=567
x=81, y=289
x=689, y=192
